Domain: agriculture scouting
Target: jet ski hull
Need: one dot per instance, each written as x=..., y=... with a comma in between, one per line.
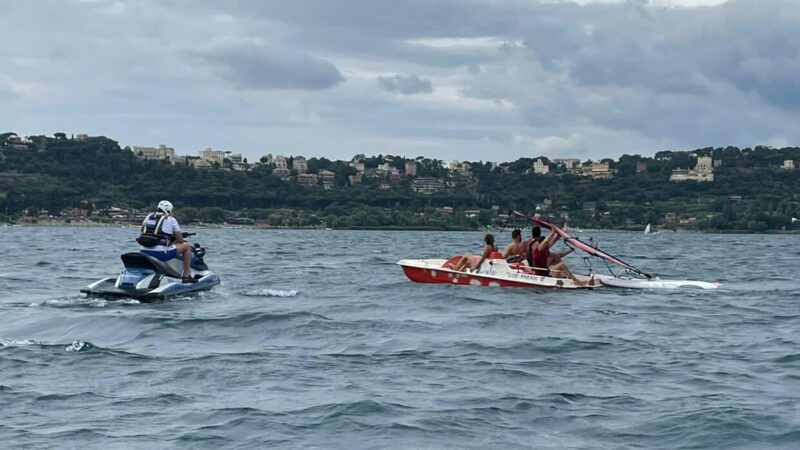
x=166, y=288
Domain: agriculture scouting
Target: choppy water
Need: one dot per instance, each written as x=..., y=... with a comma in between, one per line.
x=316, y=339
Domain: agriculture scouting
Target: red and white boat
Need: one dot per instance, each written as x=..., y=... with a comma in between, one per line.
x=496, y=271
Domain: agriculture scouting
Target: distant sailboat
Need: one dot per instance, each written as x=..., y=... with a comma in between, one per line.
x=795, y=219
x=647, y=229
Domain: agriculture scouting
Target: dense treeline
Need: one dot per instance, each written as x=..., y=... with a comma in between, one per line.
x=750, y=191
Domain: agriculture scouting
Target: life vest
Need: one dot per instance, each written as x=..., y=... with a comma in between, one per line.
x=151, y=234
x=540, y=258
x=537, y=258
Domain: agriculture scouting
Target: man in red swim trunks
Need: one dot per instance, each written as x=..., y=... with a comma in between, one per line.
x=545, y=262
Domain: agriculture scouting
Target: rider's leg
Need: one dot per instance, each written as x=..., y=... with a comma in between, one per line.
x=560, y=270
x=462, y=263
x=186, y=251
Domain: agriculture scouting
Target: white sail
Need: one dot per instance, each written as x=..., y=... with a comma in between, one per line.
x=647, y=228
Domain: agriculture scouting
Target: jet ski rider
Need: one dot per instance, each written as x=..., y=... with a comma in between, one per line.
x=161, y=238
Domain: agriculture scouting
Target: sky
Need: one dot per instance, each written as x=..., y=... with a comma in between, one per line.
x=484, y=80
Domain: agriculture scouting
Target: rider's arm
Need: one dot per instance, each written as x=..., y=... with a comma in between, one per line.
x=507, y=252
x=177, y=235
x=549, y=241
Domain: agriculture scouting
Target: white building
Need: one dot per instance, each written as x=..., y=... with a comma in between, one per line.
x=541, y=167
x=788, y=164
x=462, y=168
x=568, y=163
x=703, y=171
x=280, y=163
x=597, y=170
x=384, y=168
x=212, y=156
x=162, y=152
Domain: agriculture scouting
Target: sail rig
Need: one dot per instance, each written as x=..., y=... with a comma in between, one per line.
x=583, y=246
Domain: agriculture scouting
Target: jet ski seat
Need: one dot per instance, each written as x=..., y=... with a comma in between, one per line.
x=137, y=260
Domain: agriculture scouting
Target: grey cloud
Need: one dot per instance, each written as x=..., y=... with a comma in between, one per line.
x=252, y=66
x=624, y=76
x=405, y=84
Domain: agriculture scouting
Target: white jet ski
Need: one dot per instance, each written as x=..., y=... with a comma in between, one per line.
x=147, y=278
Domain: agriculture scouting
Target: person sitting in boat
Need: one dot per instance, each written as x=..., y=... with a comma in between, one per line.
x=547, y=263
x=161, y=237
x=515, y=252
x=488, y=249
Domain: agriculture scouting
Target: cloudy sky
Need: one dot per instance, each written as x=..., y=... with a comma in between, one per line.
x=453, y=79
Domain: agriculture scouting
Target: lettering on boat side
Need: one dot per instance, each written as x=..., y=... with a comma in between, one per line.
x=523, y=276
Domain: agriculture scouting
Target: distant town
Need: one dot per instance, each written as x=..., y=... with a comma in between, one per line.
x=388, y=190
x=296, y=167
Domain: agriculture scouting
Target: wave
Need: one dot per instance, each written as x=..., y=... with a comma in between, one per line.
x=77, y=346
x=271, y=293
x=82, y=302
x=238, y=320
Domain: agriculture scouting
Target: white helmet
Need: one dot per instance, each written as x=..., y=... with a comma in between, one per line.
x=165, y=206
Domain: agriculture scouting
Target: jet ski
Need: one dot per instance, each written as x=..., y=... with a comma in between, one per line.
x=147, y=278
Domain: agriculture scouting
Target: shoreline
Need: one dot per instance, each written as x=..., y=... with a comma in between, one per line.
x=90, y=224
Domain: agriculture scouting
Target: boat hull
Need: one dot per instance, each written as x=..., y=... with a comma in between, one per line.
x=498, y=273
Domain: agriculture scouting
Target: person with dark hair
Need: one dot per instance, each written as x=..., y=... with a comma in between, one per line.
x=488, y=248
x=536, y=238
x=547, y=263
x=515, y=252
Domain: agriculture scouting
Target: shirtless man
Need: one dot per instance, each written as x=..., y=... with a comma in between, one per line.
x=515, y=252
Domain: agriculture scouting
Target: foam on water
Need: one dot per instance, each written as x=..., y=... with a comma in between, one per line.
x=271, y=293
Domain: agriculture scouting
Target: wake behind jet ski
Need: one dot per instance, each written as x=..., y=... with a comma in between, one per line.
x=164, y=266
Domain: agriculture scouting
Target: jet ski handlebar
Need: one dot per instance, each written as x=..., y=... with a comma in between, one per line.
x=186, y=234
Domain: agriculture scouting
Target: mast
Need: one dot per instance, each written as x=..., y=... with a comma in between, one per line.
x=583, y=246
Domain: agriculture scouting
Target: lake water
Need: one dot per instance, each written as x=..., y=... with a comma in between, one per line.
x=316, y=339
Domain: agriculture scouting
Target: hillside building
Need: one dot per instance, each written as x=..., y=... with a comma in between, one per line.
x=411, y=168
x=300, y=164
x=567, y=163
x=308, y=179
x=597, y=170
x=541, y=167
x=703, y=171
x=213, y=156
x=280, y=163
x=427, y=185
